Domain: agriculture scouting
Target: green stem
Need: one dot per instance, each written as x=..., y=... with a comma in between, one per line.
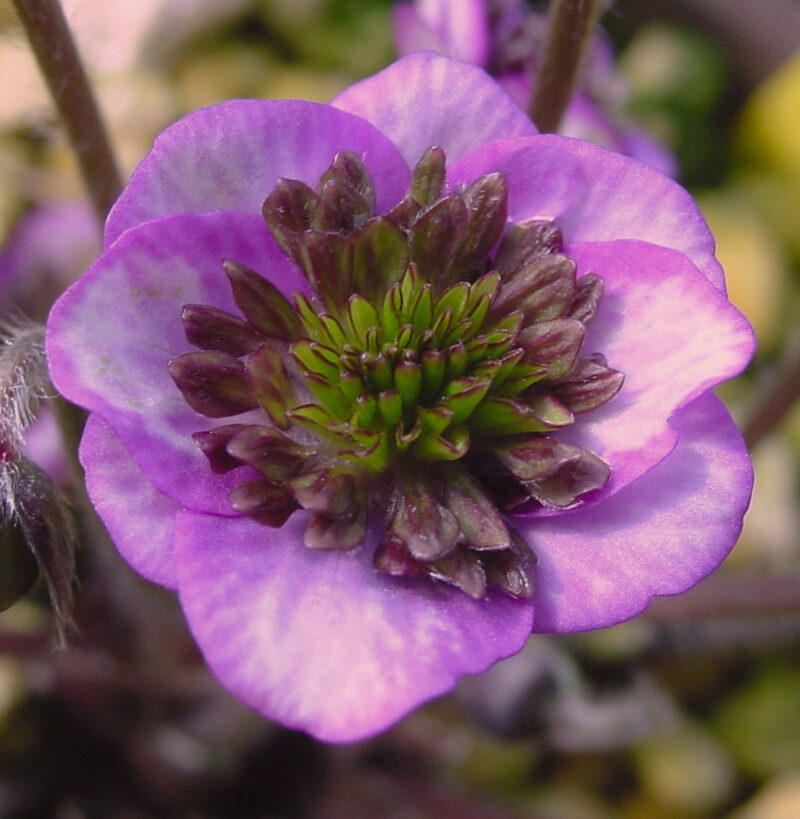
x=52, y=43
x=570, y=25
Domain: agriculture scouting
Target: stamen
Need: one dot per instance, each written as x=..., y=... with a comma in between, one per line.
x=416, y=346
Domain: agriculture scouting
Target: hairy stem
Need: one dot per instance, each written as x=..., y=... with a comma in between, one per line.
x=570, y=24
x=23, y=380
x=52, y=43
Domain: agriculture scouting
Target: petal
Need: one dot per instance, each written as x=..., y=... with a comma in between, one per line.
x=660, y=536
x=585, y=120
x=111, y=336
x=455, y=29
x=594, y=195
x=671, y=333
x=229, y=156
x=636, y=142
x=412, y=33
x=44, y=445
x=321, y=641
x=138, y=517
x=48, y=249
x=424, y=100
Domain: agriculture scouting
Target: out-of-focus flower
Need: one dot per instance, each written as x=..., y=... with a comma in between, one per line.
x=47, y=249
x=507, y=39
x=419, y=389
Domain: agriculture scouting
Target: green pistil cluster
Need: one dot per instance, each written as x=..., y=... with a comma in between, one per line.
x=415, y=347
x=417, y=374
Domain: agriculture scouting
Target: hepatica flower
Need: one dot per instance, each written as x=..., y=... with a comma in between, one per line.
x=381, y=386
x=507, y=38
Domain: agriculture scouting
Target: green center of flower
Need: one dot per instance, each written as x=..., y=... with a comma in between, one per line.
x=415, y=346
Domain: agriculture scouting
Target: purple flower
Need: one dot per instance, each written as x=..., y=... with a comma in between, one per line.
x=347, y=486
x=46, y=251
x=507, y=39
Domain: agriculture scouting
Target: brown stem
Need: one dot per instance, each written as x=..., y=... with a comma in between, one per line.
x=775, y=396
x=52, y=43
x=731, y=595
x=570, y=24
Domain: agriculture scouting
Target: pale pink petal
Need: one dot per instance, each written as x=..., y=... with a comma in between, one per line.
x=320, y=641
x=671, y=333
x=229, y=156
x=424, y=100
x=139, y=518
x=595, y=195
x=111, y=336
x=661, y=535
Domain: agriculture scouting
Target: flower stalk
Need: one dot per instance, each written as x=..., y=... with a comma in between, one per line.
x=570, y=25
x=55, y=51
x=775, y=396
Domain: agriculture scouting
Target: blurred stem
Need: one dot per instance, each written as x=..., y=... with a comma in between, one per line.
x=569, y=27
x=55, y=51
x=773, y=398
x=734, y=594
x=52, y=43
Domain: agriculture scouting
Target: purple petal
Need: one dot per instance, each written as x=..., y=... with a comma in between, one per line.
x=636, y=142
x=44, y=445
x=138, y=517
x=518, y=85
x=585, y=120
x=229, y=157
x=660, y=536
x=412, y=33
x=671, y=333
x=454, y=28
x=595, y=195
x=112, y=334
x=424, y=100
x=320, y=641
x=49, y=247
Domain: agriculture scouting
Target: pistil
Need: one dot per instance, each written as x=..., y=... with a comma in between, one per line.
x=417, y=345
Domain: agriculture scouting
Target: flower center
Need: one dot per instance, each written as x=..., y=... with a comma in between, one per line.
x=414, y=346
